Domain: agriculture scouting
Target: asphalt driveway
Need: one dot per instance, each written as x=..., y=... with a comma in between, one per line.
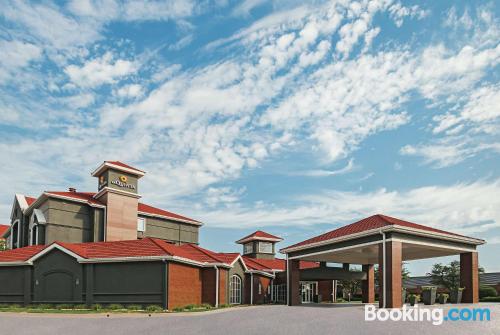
x=337, y=319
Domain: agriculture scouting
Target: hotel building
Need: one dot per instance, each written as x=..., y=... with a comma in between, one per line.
x=108, y=247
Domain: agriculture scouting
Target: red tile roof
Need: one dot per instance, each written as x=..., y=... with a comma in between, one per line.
x=228, y=257
x=147, y=247
x=259, y=234
x=21, y=254
x=278, y=264
x=369, y=223
x=3, y=229
x=123, y=165
x=29, y=200
x=157, y=211
x=147, y=209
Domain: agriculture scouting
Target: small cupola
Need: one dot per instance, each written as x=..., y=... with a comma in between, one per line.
x=259, y=245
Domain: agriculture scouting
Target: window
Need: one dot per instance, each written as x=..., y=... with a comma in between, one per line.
x=235, y=290
x=141, y=224
x=248, y=248
x=34, y=235
x=266, y=247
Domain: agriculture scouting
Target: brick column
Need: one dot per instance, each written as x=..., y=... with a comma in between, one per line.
x=393, y=279
x=293, y=283
x=368, y=285
x=469, y=277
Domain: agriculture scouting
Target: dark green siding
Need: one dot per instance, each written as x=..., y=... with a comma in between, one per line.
x=12, y=284
x=136, y=282
x=58, y=278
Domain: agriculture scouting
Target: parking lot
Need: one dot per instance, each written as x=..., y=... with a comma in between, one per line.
x=312, y=319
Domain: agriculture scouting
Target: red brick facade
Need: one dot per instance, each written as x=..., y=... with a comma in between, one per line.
x=394, y=261
x=208, y=286
x=325, y=288
x=469, y=277
x=184, y=285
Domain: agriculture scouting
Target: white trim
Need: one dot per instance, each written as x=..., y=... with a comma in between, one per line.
x=287, y=281
x=384, y=269
x=143, y=228
x=251, y=288
x=264, y=252
x=334, y=250
x=196, y=223
x=114, y=259
x=14, y=264
x=217, y=283
x=391, y=228
x=105, y=165
x=52, y=247
x=106, y=189
x=18, y=222
x=256, y=238
x=242, y=262
x=431, y=244
x=262, y=273
x=21, y=200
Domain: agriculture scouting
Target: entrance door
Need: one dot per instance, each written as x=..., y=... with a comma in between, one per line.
x=308, y=290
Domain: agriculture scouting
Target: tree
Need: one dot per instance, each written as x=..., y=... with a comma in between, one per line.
x=3, y=245
x=405, y=273
x=447, y=276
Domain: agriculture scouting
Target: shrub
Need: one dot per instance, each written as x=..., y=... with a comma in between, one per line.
x=115, y=307
x=4, y=306
x=44, y=306
x=487, y=291
x=81, y=306
x=189, y=307
x=15, y=306
x=154, y=308
x=206, y=306
x=64, y=306
x=224, y=306
x=178, y=309
x=96, y=307
x=134, y=307
x=490, y=299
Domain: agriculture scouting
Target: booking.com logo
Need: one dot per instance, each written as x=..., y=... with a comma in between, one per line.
x=436, y=315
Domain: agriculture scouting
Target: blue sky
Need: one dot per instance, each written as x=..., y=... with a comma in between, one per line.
x=289, y=116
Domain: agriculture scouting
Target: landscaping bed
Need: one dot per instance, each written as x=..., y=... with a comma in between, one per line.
x=97, y=308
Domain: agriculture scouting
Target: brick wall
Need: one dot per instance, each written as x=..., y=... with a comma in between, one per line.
x=184, y=285
x=223, y=284
x=262, y=297
x=325, y=290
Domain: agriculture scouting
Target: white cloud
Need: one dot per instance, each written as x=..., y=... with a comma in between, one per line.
x=15, y=56
x=326, y=173
x=130, y=91
x=132, y=10
x=98, y=71
x=468, y=208
x=244, y=8
x=398, y=12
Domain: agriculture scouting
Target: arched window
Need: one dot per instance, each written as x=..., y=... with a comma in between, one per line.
x=235, y=290
x=14, y=235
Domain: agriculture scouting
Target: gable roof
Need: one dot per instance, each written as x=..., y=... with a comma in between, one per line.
x=259, y=235
x=372, y=223
x=146, y=248
x=277, y=264
x=144, y=209
x=3, y=229
x=118, y=166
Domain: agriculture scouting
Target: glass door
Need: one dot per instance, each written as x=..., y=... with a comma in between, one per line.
x=308, y=290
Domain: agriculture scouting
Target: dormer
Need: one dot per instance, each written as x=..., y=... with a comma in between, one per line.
x=259, y=245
